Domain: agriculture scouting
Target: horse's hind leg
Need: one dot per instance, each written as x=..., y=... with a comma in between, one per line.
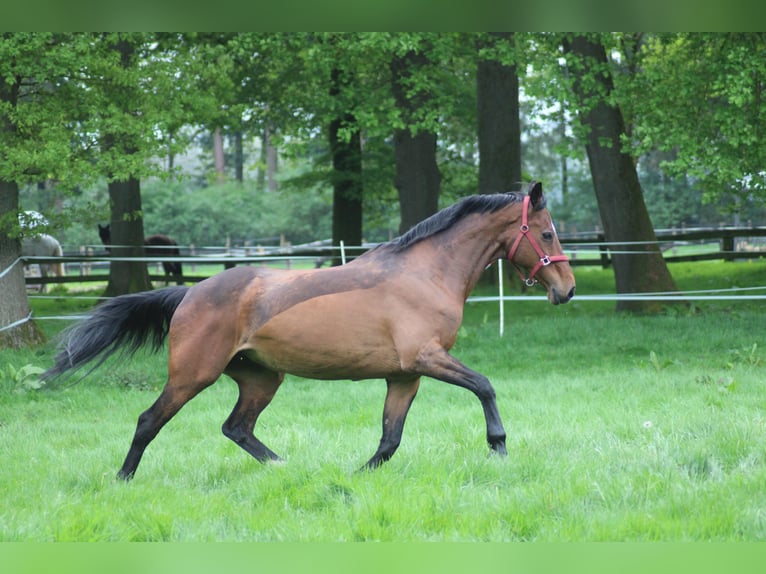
x=178, y=272
x=43, y=278
x=166, y=269
x=194, y=363
x=151, y=421
x=399, y=397
x=257, y=386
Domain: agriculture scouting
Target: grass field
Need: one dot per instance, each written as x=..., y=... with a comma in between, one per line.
x=619, y=428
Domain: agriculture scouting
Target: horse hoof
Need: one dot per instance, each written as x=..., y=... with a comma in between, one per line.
x=498, y=450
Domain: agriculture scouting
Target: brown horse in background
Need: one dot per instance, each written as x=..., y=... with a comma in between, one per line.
x=157, y=245
x=392, y=313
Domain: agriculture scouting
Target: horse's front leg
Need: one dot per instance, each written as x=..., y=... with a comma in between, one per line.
x=439, y=364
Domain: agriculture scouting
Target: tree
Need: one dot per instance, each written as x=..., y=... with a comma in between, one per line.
x=347, y=171
x=417, y=177
x=700, y=98
x=120, y=145
x=219, y=159
x=499, y=128
x=14, y=309
x=618, y=191
x=37, y=98
x=142, y=89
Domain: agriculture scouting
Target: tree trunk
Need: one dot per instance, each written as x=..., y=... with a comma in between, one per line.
x=347, y=178
x=618, y=191
x=272, y=162
x=417, y=178
x=260, y=172
x=127, y=226
x=266, y=178
x=239, y=157
x=564, y=160
x=127, y=229
x=14, y=305
x=218, y=156
x=497, y=91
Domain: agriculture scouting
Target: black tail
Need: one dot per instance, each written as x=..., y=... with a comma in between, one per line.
x=128, y=321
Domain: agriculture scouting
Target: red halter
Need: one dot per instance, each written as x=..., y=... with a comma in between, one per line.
x=544, y=259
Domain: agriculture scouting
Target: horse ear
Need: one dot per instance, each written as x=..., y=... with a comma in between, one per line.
x=535, y=193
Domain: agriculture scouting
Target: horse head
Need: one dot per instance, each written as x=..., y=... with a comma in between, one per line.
x=536, y=248
x=105, y=233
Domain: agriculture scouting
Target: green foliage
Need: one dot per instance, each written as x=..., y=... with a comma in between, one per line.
x=691, y=102
x=89, y=105
x=656, y=363
x=22, y=379
x=746, y=356
x=700, y=95
x=208, y=216
x=36, y=106
x=693, y=109
x=577, y=210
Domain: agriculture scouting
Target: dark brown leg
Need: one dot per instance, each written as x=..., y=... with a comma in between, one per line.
x=194, y=363
x=257, y=386
x=153, y=419
x=399, y=397
x=439, y=364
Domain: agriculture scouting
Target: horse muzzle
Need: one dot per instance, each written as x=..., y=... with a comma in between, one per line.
x=558, y=298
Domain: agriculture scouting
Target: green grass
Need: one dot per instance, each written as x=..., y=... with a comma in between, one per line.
x=619, y=428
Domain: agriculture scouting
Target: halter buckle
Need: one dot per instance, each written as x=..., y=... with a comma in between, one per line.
x=545, y=260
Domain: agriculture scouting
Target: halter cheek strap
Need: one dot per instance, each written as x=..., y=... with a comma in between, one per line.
x=544, y=260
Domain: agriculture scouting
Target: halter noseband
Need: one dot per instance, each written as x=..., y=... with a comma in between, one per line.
x=544, y=259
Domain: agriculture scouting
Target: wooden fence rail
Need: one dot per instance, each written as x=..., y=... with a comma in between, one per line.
x=733, y=243
x=583, y=248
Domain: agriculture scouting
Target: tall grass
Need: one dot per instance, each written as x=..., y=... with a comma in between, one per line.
x=619, y=428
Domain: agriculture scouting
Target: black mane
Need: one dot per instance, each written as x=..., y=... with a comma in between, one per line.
x=448, y=216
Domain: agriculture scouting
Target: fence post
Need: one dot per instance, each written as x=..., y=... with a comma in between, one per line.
x=501, y=295
x=604, y=252
x=727, y=246
x=228, y=265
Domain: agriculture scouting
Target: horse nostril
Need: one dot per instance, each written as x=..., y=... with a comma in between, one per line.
x=571, y=293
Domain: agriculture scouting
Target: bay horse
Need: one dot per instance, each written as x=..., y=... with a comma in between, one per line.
x=393, y=313
x=43, y=245
x=154, y=246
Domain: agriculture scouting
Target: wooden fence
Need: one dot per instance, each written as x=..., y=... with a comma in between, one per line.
x=725, y=243
x=695, y=244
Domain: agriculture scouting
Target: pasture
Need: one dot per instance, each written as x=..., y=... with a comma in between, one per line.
x=620, y=428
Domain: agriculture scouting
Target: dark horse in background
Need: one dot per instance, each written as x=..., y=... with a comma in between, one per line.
x=154, y=246
x=392, y=313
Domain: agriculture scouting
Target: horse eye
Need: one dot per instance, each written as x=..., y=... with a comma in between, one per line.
x=547, y=236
